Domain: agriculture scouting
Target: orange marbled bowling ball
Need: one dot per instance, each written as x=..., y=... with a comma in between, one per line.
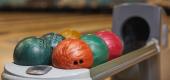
x=72, y=54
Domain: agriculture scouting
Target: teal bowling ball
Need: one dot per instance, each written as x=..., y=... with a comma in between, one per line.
x=53, y=38
x=32, y=51
x=98, y=47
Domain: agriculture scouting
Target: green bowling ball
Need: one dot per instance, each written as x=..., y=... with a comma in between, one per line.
x=53, y=39
x=98, y=47
x=32, y=51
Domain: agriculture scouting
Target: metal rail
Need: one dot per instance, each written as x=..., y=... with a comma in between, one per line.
x=119, y=64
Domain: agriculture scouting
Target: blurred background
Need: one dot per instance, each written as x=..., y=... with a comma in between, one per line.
x=71, y=5
x=23, y=18
x=77, y=4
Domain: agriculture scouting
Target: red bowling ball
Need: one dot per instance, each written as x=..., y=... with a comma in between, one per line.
x=113, y=42
x=72, y=54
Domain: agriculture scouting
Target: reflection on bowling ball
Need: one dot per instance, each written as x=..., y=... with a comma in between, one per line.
x=32, y=51
x=72, y=54
x=72, y=34
x=113, y=42
x=52, y=38
x=98, y=47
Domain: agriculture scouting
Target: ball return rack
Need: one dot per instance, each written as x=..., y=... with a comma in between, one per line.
x=144, y=31
x=117, y=65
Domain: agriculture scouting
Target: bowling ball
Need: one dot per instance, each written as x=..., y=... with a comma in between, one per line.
x=52, y=38
x=32, y=51
x=98, y=47
x=72, y=54
x=113, y=42
x=68, y=33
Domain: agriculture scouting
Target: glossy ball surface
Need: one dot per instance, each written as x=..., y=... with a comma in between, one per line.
x=53, y=39
x=70, y=34
x=32, y=51
x=72, y=54
x=98, y=47
x=113, y=42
